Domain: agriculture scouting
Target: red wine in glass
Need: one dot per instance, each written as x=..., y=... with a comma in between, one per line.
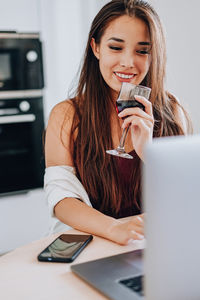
x=126, y=99
x=122, y=104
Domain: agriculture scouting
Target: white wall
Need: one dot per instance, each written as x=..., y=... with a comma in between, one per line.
x=23, y=218
x=181, y=22
x=64, y=29
x=21, y=15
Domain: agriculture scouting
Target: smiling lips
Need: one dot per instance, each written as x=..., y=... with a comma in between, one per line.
x=124, y=76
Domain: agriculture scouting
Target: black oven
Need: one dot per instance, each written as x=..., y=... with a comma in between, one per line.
x=21, y=153
x=20, y=61
x=21, y=113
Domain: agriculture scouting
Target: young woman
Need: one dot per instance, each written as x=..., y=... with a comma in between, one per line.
x=87, y=188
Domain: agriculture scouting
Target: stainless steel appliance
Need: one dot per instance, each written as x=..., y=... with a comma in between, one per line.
x=21, y=113
x=20, y=61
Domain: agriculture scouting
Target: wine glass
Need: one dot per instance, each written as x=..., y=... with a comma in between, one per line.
x=127, y=99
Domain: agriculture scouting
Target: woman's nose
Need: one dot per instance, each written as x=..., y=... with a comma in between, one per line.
x=127, y=60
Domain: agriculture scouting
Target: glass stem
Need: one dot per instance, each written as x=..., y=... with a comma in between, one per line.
x=123, y=138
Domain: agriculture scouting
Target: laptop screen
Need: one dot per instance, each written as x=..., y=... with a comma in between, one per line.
x=171, y=195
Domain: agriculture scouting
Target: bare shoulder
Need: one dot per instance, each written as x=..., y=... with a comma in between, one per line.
x=58, y=142
x=62, y=115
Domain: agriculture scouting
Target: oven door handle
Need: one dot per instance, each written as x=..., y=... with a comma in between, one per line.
x=17, y=119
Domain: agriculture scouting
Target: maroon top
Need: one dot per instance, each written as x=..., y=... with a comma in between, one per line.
x=124, y=168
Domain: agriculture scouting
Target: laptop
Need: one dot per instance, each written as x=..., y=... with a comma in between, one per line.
x=168, y=268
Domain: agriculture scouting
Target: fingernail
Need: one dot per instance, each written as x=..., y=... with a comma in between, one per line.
x=141, y=236
x=140, y=219
x=130, y=241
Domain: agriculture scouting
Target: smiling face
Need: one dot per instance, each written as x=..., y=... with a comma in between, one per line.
x=123, y=52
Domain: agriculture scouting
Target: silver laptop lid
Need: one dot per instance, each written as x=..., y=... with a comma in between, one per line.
x=172, y=203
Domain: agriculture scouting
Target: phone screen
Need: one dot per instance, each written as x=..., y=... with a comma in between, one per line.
x=65, y=248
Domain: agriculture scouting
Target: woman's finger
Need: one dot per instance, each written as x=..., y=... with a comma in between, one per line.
x=136, y=111
x=140, y=219
x=135, y=120
x=139, y=229
x=147, y=104
x=137, y=224
x=135, y=235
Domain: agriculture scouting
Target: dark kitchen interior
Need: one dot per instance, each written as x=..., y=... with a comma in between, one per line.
x=21, y=112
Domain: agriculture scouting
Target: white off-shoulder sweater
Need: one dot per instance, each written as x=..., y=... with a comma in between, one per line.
x=61, y=182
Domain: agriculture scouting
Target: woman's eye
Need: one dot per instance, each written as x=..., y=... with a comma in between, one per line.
x=115, y=48
x=143, y=52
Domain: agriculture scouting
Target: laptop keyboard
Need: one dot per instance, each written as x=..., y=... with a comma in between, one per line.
x=135, y=284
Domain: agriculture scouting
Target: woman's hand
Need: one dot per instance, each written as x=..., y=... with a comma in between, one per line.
x=122, y=232
x=141, y=124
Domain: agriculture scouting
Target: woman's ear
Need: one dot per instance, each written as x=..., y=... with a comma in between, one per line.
x=95, y=48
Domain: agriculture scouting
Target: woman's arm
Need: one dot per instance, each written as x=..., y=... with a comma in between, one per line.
x=72, y=211
x=80, y=216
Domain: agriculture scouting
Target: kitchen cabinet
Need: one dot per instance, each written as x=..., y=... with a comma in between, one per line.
x=23, y=219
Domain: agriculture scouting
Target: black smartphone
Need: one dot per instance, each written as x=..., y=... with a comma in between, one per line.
x=65, y=248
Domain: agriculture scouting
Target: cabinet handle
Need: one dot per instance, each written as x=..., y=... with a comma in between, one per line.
x=17, y=119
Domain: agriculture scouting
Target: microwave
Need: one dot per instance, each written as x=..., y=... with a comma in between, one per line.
x=21, y=65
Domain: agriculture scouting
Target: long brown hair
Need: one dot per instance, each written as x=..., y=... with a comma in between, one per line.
x=92, y=103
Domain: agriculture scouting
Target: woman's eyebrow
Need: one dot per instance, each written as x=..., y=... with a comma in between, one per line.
x=122, y=41
x=116, y=39
x=144, y=43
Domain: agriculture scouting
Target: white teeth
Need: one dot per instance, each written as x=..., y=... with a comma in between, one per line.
x=124, y=76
